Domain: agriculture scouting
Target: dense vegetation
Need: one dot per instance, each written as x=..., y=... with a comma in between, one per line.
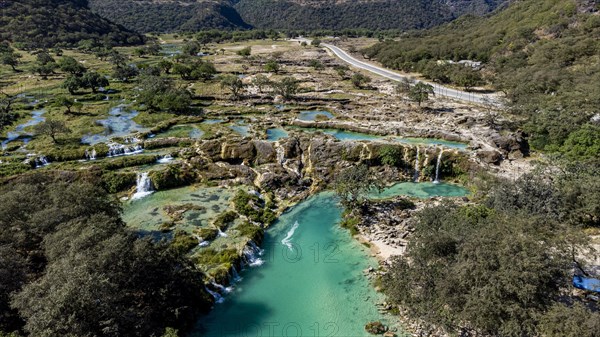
x=69, y=267
x=542, y=53
x=377, y=15
x=193, y=15
x=169, y=16
x=500, y=267
x=46, y=23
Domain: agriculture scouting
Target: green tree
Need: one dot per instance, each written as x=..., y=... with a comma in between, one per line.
x=353, y=185
x=245, y=52
x=234, y=84
x=272, y=66
x=492, y=270
x=575, y=320
x=359, y=80
x=71, y=66
x=86, y=274
x=317, y=65
x=45, y=64
x=93, y=80
x=315, y=43
x=160, y=94
x=72, y=83
x=287, y=87
x=8, y=56
x=261, y=81
x=51, y=128
x=420, y=92
x=466, y=77
x=7, y=116
x=165, y=66
x=64, y=101
x=390, y=155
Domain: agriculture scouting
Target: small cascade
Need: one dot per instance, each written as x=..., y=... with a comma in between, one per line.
x=417, y=166
x=437, y=167
x=90, y=155
x=41, y=161
x=221, y=233
x=287, y=241
x=218, y=298
x=252, y=255
x=115, y=149
x=222, y=289
x=165, y=159
x=143, y=186
x=234, y=275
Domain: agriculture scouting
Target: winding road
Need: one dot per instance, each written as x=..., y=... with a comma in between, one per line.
x=439, y=90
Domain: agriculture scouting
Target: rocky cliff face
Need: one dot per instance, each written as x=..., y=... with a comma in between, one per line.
x=295, y=164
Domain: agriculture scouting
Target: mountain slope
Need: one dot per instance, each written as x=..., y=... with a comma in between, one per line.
x=170, y=15
x=193, y=15
x=545, y=54
x=46, y=23
x=369, y=14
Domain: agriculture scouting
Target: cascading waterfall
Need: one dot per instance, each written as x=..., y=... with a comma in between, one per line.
x=165, y=159
x=115, y=149
x=90, y=155
x=235, y=276
x=437, y=167
x=252, y=255
x=222, y=289
x=221, y=233
x=218, y=298
x=143, y=186
x=41, y=161
x=417, y=166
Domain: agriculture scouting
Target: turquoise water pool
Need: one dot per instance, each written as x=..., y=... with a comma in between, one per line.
x=311, y=283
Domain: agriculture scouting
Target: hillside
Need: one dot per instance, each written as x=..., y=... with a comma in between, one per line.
x=544, y=54
x=46, y=23
x=170, y=15
x=193, y=15
x=373, y=14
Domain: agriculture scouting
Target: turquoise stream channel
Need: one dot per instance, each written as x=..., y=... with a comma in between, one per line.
x=311, y=283
x=421, y=190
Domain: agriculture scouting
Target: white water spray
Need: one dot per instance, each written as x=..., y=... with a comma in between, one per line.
x=437, y=167
x=166, y=159
x=143, y=186
x=252, y=255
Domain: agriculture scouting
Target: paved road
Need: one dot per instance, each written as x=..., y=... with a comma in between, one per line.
x=438, y=89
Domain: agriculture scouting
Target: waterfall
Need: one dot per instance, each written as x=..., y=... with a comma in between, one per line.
x=234, y=274
x=287, y=241
x=143, y=186
x=90, y=155
x=221, y=233
x=417, y=167
x=165, y=159
x=218, y=298
x=222, y=289
x=41, y=161
x=437, y=166
x=252, y=254
x=115, y=149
